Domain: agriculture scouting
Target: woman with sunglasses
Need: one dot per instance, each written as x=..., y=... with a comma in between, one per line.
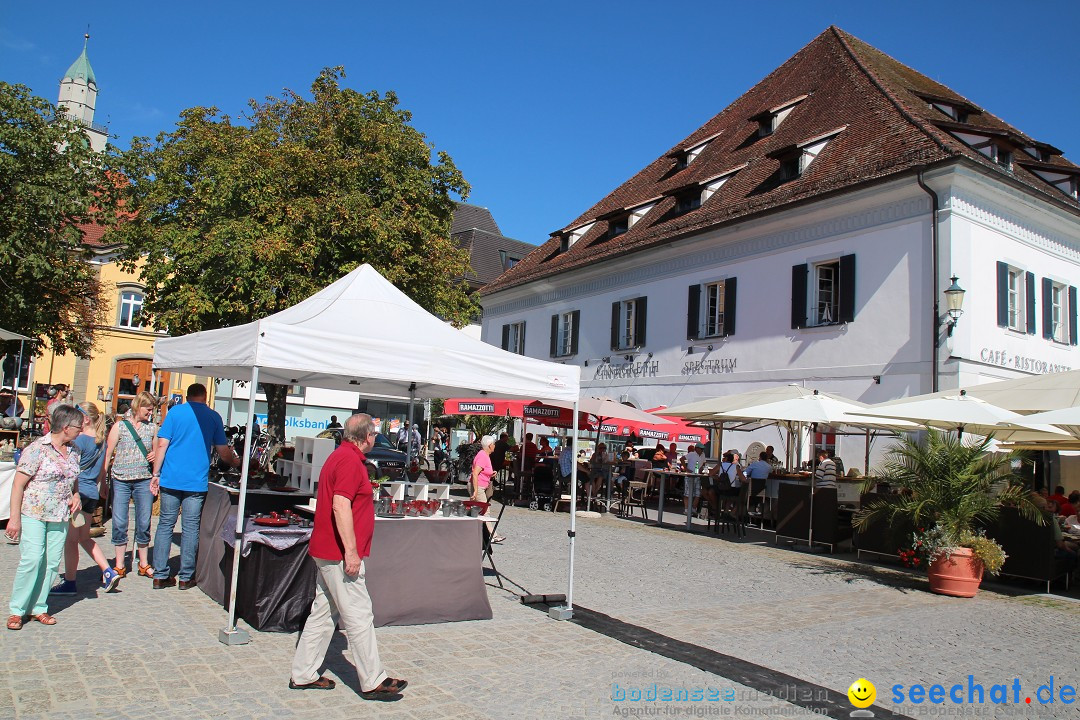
x=44, y=478
x=91, y=446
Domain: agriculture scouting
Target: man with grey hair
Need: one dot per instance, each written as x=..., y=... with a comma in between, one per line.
x=341, y=539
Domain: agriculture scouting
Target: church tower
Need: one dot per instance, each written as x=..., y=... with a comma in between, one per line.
x=78, y=96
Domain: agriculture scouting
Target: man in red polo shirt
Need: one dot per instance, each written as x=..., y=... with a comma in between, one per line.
x=344, y=522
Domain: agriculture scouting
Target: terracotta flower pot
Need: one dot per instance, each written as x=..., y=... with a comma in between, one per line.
x=958, y=574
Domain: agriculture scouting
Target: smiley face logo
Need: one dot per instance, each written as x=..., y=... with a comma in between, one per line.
x=862, y=693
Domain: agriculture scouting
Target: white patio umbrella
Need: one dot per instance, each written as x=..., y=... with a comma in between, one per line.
x=958, y=411
x=1030, y=394
x=706, y=410
x=814, y=408
x=1068, y=419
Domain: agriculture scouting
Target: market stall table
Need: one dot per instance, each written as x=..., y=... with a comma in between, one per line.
x=421, y=570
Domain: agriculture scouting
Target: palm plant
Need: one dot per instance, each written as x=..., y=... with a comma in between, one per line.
x=956, y=486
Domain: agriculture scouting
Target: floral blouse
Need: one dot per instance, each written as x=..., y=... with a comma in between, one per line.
x=48, y=494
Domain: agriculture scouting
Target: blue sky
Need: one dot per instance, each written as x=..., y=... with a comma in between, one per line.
x=545, y=107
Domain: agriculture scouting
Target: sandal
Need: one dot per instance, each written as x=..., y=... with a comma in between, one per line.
x=497, y=539
x=146, y=570
x=44, y=618
x=121, y=571
x=14, y=622
x=323, y=683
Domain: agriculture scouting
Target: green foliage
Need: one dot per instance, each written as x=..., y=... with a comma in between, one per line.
x=954, y=488
x=239, y=220
x=49, y=183
x=930, y=544
x=482, y=425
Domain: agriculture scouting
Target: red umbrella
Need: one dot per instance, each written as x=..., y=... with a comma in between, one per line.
x=535, y=411
x=677, y=431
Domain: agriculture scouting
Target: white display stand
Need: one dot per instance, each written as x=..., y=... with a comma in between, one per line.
x=308, y=459
x=7, y=476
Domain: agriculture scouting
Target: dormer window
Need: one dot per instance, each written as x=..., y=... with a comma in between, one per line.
x=959, y=114
x=997, y=149
x=567, y=239
x=1068, y=183
x=618, y=225
x=688, y=200
x=684, y=157
x=795, y=159
x=769, y=120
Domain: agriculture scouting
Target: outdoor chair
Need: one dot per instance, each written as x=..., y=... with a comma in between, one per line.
x=734, y=517
x=633, y=498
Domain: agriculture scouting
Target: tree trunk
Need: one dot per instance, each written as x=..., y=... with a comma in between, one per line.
x=275, y=410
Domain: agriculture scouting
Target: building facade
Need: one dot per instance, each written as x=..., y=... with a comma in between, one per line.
x=807, y=234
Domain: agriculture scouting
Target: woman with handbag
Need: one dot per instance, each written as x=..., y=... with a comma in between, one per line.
x=91, y=446
x=130, y=456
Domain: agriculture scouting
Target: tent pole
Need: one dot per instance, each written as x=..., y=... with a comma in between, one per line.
x=232, y=635
x=408, y=438
x=866, y=460
x=15, y=388
x=567, y=612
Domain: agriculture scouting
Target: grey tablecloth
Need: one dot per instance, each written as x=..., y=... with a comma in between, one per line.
x=279, y=538
x=421, y=570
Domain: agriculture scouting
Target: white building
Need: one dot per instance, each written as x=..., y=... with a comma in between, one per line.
x=807, y=234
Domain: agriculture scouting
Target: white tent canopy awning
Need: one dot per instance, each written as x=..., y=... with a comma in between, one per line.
x=8, y=335
x=363, y=334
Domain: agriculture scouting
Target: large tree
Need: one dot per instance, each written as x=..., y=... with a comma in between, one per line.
x=238, y=220
x=49, y=183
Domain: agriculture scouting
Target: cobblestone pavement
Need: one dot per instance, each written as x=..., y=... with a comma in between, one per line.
x=140, y=653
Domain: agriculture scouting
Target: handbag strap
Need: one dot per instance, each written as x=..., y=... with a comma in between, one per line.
x=135, y=436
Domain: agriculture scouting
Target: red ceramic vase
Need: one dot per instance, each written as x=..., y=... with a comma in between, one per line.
x=958, y=574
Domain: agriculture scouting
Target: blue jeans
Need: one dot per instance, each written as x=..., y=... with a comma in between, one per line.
x=123, y=492
x=188, y=504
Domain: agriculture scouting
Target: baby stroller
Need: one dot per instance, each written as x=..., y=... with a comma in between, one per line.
x=543, y=487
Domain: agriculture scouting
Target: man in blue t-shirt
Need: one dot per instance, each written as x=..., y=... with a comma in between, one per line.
x=181, y=465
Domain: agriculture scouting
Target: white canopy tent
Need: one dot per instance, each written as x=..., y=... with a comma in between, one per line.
x=362, y=334
x=9, y=335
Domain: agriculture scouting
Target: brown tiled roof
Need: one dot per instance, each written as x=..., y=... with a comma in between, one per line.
x=888, y=128
x=92, y=234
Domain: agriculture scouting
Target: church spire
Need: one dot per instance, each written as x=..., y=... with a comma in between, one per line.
x=78, y=97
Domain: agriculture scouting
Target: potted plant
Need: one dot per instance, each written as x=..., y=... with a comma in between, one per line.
x=950, y=490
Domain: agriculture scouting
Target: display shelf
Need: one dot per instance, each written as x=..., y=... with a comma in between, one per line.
x=308, y=459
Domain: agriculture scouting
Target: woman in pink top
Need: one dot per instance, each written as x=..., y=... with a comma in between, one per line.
x=480, y=483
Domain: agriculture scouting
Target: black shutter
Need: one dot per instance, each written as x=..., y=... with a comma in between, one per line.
x=575, y=319
x=729, y=306
x=693, y=312
x=615, y=325
x=506, y=337
x=1048, y=308
x=1003, y=294
x=521, y=339
x=798, y=295
x=554, y=336
x=639, y=321
x=1072, y=315
x=846, y=310
x=1029, y=282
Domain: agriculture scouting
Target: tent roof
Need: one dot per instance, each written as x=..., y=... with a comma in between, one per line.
x=8, y=335
x=363, y=334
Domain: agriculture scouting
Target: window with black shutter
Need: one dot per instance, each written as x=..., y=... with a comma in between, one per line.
x=1002, y=294
x=1048, y=309
x=628, y=323
x=564, y=333
x=1029, y=293
x=693, y=312
x=513, y=338
x=729, y=306
x=799, y=274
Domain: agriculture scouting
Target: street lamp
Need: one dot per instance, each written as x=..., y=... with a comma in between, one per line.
x=954, y=302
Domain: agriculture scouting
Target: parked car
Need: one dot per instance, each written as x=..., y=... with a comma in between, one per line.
x=385, y=460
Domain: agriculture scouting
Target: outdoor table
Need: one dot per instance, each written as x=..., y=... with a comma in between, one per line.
x=660, y=504
x=421, y=570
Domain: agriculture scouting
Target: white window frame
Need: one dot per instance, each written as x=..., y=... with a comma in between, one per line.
x=713, y=309
x=515, y=338
x=565, y=338
x=628, y=324
x=135, y=305
x=1016, y=289
x=818, y=292
x=1059, y=313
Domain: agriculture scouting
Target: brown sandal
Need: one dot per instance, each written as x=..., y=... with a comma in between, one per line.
x=146, y=570
x=121, y=571
x=44, y=618
x=14, y=622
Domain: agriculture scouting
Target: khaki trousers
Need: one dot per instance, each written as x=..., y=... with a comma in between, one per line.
x=339, y=600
